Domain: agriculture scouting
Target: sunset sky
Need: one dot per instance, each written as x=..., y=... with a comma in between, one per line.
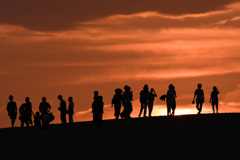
x=73, y=48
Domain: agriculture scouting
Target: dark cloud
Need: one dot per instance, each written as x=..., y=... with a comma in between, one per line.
x=64, y=14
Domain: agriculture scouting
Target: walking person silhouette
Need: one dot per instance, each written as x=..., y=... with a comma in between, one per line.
x=199, y=95
x=214, y=99
x=127, y=97
x=62, y=109
x=23, y=115
x=144, y=100
x=171, y=100
x=12, y=110
x=151, y=97
x=116, y=102
x=70, y=110
x=28, y=110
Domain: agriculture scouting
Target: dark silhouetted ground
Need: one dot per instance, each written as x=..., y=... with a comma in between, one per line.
x=181, y=137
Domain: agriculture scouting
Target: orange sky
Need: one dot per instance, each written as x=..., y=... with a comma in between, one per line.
x=73, y=48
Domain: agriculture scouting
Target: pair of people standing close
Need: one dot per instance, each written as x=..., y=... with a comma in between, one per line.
x=25, y=111
x=124, y=99
x=63, y=109
x=147, y=100
x=199, y=97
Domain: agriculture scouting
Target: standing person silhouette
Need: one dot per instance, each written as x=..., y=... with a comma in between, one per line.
x=144, y=100
x=151, y=97
x=214, y=99
x=44, y=109
x=23, y=115
x=62, y=109
x=171, y=102
x=116, y=102
x=199, y=95
x=70, y=110
x=12, y=110
x=28, y=110
x=97, y=108
x=127, y=97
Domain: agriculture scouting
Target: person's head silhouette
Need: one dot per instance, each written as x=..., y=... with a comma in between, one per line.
x=44, y=99
x=151, y=90
x=214, y=88
x=199, y=86
x=118, y=91
x=70, y=99
x=10, y=97
x=171, y=86
x=145, y=87
x=60, y=97
x=27, y=99
x=96, y=93
x=127, y=88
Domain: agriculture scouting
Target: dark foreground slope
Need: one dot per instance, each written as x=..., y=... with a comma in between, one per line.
x=180, y=137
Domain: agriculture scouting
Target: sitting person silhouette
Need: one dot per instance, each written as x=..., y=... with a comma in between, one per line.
x=12, y=110
x=214, y=99
x=199, y=95
x=116, y=102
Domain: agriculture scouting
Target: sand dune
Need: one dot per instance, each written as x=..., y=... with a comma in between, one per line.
x=191, y=136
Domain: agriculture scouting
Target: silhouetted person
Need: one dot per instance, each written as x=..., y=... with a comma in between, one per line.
x=116, y=102
x=199, y=95
x=37, y=119
x=70, y=110
x=171, y=102
x=127, y=97
x=97, y=108
x=23, y=115
x=214, y=99
x=144, y=100
x=151, y=97
x=62, y=109
x=28, y=110
x=44, y=109
x=12, y=110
